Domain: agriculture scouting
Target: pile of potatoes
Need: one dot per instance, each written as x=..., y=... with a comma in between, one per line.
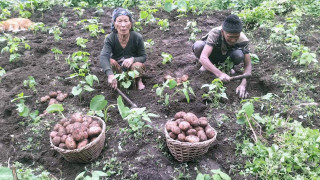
x=54, y=97
x=75, y=132
x=188, y=128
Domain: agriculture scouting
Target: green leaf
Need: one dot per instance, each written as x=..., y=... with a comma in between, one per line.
x=186, y=94
x=89, y=79
x=126, y=84
x=76, y=90
x=5, y=173
x=169, y=6
x=241, y=120
x=216, y=177
x=144, y=14
x=88, y=88
x=98, y=103
x=172, y=83
x=248, y=108
x=99, y=173
x=80, y=175
x=54, y=108
x=166, y=100
x=123, y=110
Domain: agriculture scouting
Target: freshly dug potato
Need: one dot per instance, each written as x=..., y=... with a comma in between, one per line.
x=166, y=77
x=192, y=139
x=209, y=132
x=62, y=131
x=63, y=120
x=184, y=78
x=94, y=131
x=62, y=146
x=191, y=118
x=94, y=124
x=77, y=134
x=179, y=115
x=202, y=136
x=172, y=135
x=191, y=132
x=53, y=101
x=53, y=134
x=169, y=124
x=53, y=94
x=56, y=127
x=66, y=123
x=70, y=143
x=203, y=122
x=199, y=128
x=82, y=143
x=56, y=140
x=63, y=138
x=175, y=129
x=179, y=121
x=76, y=117
x=179, y=81
x=60, y=97
x=44, y=99
x=69, y=128
x=87, y=119
x=181, y=137
x=184, y=125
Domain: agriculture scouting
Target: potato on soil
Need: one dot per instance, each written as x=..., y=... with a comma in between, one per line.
x=94, y=131
x=56, y=140
x=192, y=139
x=172, y=135
x=66, y=123
x=169, y=124
x=203, y=122
x=175, y=129
x=191, y=132
x=70, y=143
x=53, y=94
x=44, y=99
x=60, y=97
x=63, y=120
x=202, y=136
x=82, y=143
x=209, y=132
x=184, y=78
x=62, y=146
x=184, y=125
x=53, y=101
x=181, y=137
x=180, y=115
x=76, y=117
x=53, y=134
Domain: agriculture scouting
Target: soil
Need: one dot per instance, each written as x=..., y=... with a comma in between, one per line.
x=148, y=156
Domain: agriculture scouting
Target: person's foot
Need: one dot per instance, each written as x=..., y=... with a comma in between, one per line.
x=140, y=84
x=202, y=69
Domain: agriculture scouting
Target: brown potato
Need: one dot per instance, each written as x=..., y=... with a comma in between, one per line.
x=62, y=131
x=179, y=121
x=202, y=136
x=184, y=78
x=69, y=128
x=56, y=127
x=82, y=143
x=63, y=120
x=53, y=134
x=203, y=122
x=44, y=99
x=190, y=117
x=172, y=135
x=70, y=143
x=62, y=146
x=60, y=97
x=94, y=131
x=191, y=132
x=192, y=139
x=179, y=81
x=76, y=117
x=53, y=101
x=184, y=125
x=199, y=128
x=175, y=129
x=179, y=115
x=63, y=138
x=181, y=137
x=169, y=124
x=87, y=119
x=66, y=124
x=53, y=94
x=95, y=124
x=56, y=140
x=77, y=134
x=209, y=132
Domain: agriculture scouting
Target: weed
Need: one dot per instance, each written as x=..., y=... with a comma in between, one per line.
x=56, y=53
x=31, y=83
x=2, y=72
x=166, y=57
x=55, y=30
x=81, y=42
x=164, y=24
x=217, y=174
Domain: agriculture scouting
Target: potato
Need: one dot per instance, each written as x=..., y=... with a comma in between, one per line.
x=53, y=134
x=172, y=135
x=76, y=117
x=53, y=101
x=82, y=143
x=62, y=131
x=94, y=124
x=87, y=119
x=184, y=125
x=63, y=120
x=192, y=139
x=179, y=121
x=181, y=137
x=179, y=81
x=209, y=132
x=191, y=132
x=53, y=94
x=56, y=140
x=190, y=117
x=202, y=136
x=94, y=131
x=184, y=78
x=44, y=99
x=199, y=128
x=56, y=127
x=66, y=123
x=63, y=138
x=166, y=77
x=169, y=124
x=70, y=143
x=175, y=129
x=62, y=146
x=86, y=124
x=92, y=139
x=69, y=128
x=203, y=122
x=60, y=97
x=78, y=134
x=179, y=115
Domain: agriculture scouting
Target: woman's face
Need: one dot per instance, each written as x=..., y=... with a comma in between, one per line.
x=231, y=38
x=123, y=24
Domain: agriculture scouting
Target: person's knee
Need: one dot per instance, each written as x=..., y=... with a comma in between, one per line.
x=237, y=56
x=138, y=66
x=197, y=48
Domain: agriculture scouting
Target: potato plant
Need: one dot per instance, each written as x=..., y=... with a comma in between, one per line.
x=13, y=46
x=55, y=30
x=30, y=83
x=126, y=79
x=216, y=91
x=2, y=72
x=98, y=106
x=56, y=53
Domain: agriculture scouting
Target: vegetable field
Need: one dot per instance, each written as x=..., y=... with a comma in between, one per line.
x=272, y=134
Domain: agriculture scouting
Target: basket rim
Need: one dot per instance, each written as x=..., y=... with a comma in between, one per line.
x=189, y=143
x=89, y=145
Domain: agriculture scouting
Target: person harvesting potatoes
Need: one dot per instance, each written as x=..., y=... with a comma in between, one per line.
x=123, y=49
x=220, y=43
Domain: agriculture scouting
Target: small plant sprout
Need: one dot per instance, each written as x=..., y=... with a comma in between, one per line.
x=55, y=30
x=13, y=45
x=55, y=108
x=94, y=27
x=254, y=58
x=126, y=78
x=31, y=83
x=84, y=85
x=63, y=20
x=216, y=91
x=166, y=57
x=164, y=24
x=217, y=174
x=2, y=72
x=5, y=14
x=21, y=107
x=193, y=29
x=81, y=42
x=148, y=44
x=56, y=53
x=98, y=106
x=39, y=26
x=79, y=11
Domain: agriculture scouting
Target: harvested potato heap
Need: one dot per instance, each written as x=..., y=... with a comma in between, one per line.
x=54, y=97
x=188, y=128
x=179, y=80
x=75, y=132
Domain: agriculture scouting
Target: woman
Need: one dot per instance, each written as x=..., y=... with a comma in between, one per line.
x=123, y=49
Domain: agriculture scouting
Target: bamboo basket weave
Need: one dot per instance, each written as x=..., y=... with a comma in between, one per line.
x=87, y=153
x=185, y=151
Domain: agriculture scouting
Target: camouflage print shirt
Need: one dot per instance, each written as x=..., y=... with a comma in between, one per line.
x=215, y=39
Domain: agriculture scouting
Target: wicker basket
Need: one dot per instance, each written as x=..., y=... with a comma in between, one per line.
x=185, y=151
x=87, y=153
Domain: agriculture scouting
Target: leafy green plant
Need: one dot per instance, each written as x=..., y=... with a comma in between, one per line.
x=79, y=11
x=126, y=79
x=2, y=72
x=135, y=116
x=193, y=29
x=216, y=91
x=56, y=53
x=94, y=27
x=166, y=57
x=146, y=15
x=112, y=167
x=39, y=26
x=95, y=175
x=63, y=20
x=13, y=45
x=55, y=108
x=31, y=83
x=258, y=15
x=217, y=175
x=98, y=105
x=5, y=173
x=21, y=107
x=254, y=58
x=55, y=30
x=24, y=172
x=5, y=13
x=81, y=42
x=169, y=85
x=84, y=85
x=79, y=60
x=303, y=56
x=164, y=24
x=148, y=44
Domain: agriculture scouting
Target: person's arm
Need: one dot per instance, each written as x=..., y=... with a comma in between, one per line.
x=141, y=51
x=241, y=89
x=206, y=63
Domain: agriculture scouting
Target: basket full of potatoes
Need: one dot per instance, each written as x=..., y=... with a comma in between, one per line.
x=79, y=138
x=188, y=136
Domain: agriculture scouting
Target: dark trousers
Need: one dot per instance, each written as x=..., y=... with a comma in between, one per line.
x=236, y=55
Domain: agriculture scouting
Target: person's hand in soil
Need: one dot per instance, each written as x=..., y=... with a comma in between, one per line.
x=224, y=77
x=241, y=90
x=112, y=81
x=127, y=62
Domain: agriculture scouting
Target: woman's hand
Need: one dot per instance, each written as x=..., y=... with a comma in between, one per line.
x=127, y=62
x=112, y=81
